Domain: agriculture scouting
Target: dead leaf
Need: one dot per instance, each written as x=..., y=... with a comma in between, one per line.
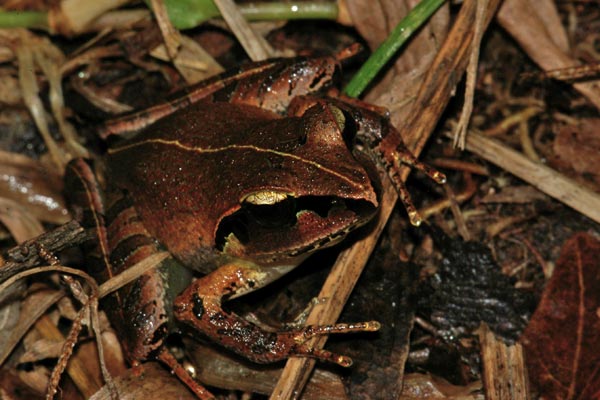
x=578, y=148
x=36, y=187
x=563, y=335
x=423, y=386
x=530, y=23
x=152, y=381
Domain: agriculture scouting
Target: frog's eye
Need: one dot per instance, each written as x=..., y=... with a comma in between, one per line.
x=339, y=116
x=265, y=198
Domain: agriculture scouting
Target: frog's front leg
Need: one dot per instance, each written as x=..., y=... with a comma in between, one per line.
x=199, y=306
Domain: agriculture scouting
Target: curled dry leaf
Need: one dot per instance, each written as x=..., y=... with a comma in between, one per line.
x=192, y=61
x=34, y=186
x=71, y=17
x=154, y=382
x=535, y=26
x=562, y=340
x=18, y=221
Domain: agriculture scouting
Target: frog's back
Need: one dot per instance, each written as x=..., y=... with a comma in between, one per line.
x=189, y=171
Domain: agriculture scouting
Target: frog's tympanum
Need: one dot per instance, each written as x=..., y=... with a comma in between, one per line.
x=240, y=181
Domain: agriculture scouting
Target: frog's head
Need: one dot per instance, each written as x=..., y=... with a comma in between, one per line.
x=249, y=184
x=314, y=194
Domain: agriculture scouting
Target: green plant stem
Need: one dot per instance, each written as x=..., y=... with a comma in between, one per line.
x=287, y=11
x=404, y=30
x=24, y=19
x=186, y=14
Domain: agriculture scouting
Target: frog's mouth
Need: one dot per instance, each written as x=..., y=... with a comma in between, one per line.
x=273, y=230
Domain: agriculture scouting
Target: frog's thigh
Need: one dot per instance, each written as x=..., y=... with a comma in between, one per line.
x=200, y=304
x=199, y=307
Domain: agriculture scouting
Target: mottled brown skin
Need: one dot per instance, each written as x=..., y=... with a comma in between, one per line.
x=208, y=165
x=198, y=166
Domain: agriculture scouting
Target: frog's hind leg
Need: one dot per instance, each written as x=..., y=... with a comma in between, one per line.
x=139, y=311
x=199, y=306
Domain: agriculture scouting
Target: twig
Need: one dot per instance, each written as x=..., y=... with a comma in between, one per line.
x=466, y=193
x=26, y=255
x=542, y=177
x=504, y=371
x=254, y=44
x=170, y=35
x=465, y=116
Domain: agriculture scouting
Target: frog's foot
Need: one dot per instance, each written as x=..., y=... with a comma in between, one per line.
x=199, y=306
x=393, y=159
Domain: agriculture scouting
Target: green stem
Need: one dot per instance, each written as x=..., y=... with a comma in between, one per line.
x=417, y=17
x=287, y=11
x=23, y=19
x=186, y=14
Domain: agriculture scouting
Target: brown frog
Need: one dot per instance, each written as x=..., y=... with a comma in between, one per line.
x=240, y=181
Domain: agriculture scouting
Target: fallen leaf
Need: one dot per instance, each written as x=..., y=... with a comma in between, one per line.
x=152, y=381
x=563, y=335
x=576, y=148
x=424, y=387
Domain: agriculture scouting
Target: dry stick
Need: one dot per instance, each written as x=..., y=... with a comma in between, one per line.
x=542, y=177
x=131, y=274
x=504, y=370
x=465, y=116
x=171, y=36
x=445, y=72
x=31, y=96
x=26, y=255
x=255, y=45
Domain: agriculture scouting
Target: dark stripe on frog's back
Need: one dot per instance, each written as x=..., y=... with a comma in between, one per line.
x=232, y=77
x=134, y=240
x=251, y=90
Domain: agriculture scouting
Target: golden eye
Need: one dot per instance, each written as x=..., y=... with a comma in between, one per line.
x=339, y=116
x=265, y=198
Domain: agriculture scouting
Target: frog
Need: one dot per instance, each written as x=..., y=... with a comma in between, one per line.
x=239, y=180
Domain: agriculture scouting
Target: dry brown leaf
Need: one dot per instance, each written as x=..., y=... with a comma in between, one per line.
x=34, y=186
x=153, y=381
x=530, y=25
x=562, y=340
x=578, y=148
x=18, y=221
